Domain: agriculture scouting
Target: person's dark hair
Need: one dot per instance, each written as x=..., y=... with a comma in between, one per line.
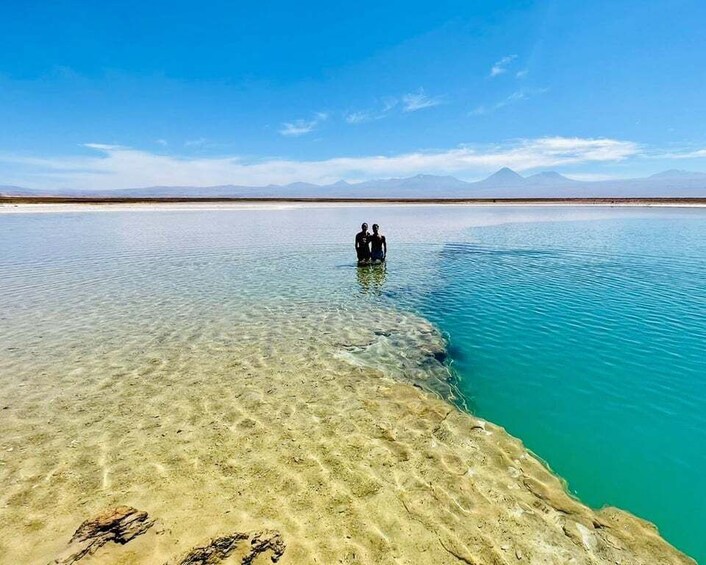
x=376, y=226
x=364, y=225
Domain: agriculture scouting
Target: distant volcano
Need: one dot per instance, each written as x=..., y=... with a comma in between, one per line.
x=504, y=183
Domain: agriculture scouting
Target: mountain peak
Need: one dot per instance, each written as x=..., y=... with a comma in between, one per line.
x=504, y=177
x=550, y=179
x=506, y=172
x=548, y=175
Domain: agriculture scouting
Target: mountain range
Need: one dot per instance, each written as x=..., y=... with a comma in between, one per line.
x=505, y=183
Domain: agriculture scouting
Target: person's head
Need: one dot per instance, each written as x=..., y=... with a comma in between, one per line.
x=375, y=228
x=364, y=227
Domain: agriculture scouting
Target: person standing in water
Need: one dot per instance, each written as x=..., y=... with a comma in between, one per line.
x=362, y=244
x=378, y=245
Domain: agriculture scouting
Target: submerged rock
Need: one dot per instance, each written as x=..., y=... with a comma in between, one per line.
x=214, y=551
x=223, y=547
x=124, y=523
x=412, y=351
x=261, y=542
x=118, y=525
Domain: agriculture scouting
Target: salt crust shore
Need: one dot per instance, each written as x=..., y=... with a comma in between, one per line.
x=23, y=208
x=291, y=430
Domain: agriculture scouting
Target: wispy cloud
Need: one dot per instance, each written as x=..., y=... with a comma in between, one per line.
x=500, y=67
x=162, y=142
x=521, y=74
x=410, y=102
x=302, y=127
x=517, y=96
x=419, y=100
x=389, y=104
x=381, y=111
x=360, y=117
x=687, y=154
x=122, y=167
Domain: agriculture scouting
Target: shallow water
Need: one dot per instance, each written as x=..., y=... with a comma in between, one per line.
x=580, y=330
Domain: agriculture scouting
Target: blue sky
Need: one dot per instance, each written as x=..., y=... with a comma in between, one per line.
x=121, y=94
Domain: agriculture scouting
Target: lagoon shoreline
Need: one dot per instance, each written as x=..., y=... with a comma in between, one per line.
x=264, y=413
x=400, y=473
x=596, y=201
x=19, y=205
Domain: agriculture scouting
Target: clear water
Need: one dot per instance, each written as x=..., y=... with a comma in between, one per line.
x=582, y=331
x=587, y=339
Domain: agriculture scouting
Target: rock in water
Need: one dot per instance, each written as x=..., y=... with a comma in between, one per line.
x=223, y=547
x=119, y=525
x=214, y=551
x=260, y=542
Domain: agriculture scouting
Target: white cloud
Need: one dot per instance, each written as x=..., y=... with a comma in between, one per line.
x=359, y=117
x=517, y=96
x=199, y=142
x=389, y=104
x=500, y=67
x=123, y=167
x=410, y=102
x=382, y=111
x=521, y=74
x=162, y=142
x=418, y=100
x=689, y=154
x=302, y=127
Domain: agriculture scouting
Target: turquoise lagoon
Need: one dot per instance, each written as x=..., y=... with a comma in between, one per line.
x=580, y=330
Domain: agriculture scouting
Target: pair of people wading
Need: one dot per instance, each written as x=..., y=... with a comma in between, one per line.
x=370, y=248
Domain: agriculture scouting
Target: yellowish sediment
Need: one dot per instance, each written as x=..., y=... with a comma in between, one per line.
x=318, y=435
